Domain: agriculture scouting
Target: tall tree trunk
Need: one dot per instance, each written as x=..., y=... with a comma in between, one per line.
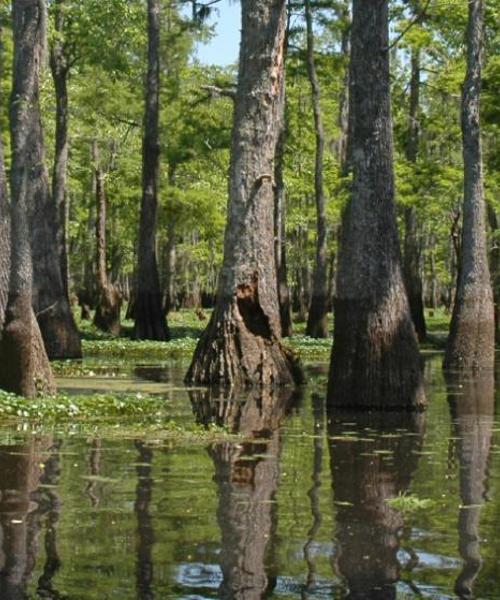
x=317, y=322
x=50, y=300
x=375, y=359
x=60, y=70
x=471, y=343
x=150, y=320
x=411, y=264
x=25, y=369
x=4, y=240
x=242, y=343
x=109, y=299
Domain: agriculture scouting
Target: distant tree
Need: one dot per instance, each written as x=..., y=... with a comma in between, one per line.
x=241, y=344
x=25, y=369
x=375, y=358
x=317, y=322
x=471, y=343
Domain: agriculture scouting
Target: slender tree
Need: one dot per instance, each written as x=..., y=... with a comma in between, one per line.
x=375, y=359
x=60, y=68
x=317, y=322
x=241, y=345
x=471, y=343
x=411, y=263
x=4, y=240
x=149, y=315
x=24, y=368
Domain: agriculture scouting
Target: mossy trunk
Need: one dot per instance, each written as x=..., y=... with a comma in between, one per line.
x=241, y=345
x=375, y=359
x=471, y=343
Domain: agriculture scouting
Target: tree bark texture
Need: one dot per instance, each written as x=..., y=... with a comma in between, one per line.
x=109, y=299
x=375, y=360
x=495, y=266
x=472, y=407
x=411, y=264
x=25, y=369
x=471, y=343
x=60, y=71
x=368, y=528
x=50, y=300
x=241, y=345
x=150, y=322
x=317, y=322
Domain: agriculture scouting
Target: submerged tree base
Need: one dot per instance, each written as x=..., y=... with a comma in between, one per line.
x=375, y=363
x=107, y=314
x=239, y=349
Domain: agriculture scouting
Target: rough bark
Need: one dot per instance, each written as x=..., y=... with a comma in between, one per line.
x=411, y=263
x=150, y=323
x=472, y=406
x=375, y=360
x=50, y=301
x=109, y=298
x=25, y=369
x=247, y=479
x=317, y=322
x=368, y=528
x=471, y=343
x=241, y=345
x=59, y=66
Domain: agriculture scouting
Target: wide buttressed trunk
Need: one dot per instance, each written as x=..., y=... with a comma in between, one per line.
x=375, y=360
x=471, y=343
x=241, y=345
x=25, y=369
x=149, y=316
x=50, y=300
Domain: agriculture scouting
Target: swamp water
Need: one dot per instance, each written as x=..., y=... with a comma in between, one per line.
x=386, y=506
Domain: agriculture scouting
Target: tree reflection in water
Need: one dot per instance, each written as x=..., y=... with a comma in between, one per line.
x=29, y=472
x=247, y=478
x=372, y=458
x=472, y=404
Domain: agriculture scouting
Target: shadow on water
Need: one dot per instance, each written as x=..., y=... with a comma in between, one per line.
x=247, y=478
x=28, y=503
x=145, y=532
x=373, y=457
x=472, y=405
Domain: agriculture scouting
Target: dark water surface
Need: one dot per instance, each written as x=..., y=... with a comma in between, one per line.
x=359, y=506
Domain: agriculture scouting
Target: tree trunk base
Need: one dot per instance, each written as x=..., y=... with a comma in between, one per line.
x=238, y=349
x=375, y=361
x=25, y=368
x=317, y=322
x=150, y=322
x=59, y=332
x=471, y=343
x=108, y=311
x=417, y=315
